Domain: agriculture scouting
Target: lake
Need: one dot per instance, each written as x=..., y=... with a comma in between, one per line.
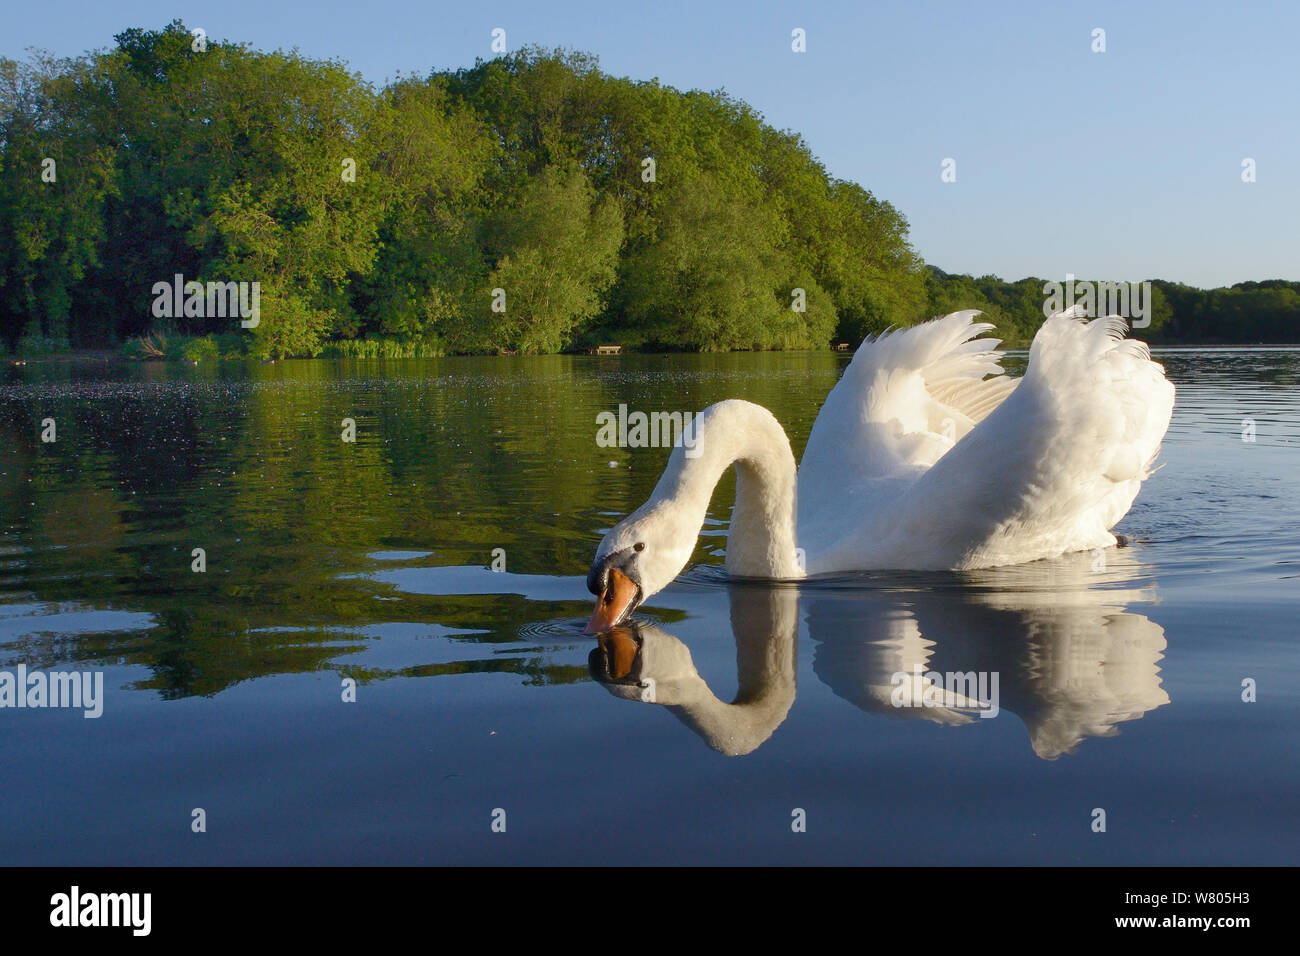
x=307, y=656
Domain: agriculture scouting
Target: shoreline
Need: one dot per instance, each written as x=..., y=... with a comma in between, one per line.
x=112, y=356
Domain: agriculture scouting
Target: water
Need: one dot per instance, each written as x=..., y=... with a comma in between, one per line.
x=1120, y=688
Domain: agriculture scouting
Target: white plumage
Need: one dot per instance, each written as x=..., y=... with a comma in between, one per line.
x=925, y=456
x=919, y=461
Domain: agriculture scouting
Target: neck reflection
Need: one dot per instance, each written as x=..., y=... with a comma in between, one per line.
x=645, y=663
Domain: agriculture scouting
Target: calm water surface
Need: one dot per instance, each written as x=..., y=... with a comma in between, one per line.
x=1120, y=681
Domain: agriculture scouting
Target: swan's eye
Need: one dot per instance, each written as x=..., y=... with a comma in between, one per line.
x=639, y=546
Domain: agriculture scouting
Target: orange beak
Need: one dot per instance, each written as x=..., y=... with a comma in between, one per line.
x=619, y=594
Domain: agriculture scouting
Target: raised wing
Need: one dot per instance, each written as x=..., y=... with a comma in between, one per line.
x=904, y=401
x=1050, y=470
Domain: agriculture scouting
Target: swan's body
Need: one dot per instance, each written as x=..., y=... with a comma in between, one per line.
x=917, y=461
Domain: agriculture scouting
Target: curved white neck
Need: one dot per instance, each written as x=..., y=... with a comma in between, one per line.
x=761, y=540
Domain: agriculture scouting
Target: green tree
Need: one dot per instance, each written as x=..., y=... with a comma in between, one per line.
x=56, y=174
x=433, y=156
x=715, y=280
x=554, y=249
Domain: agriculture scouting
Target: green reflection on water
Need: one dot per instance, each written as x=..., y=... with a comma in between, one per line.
x=453, y=458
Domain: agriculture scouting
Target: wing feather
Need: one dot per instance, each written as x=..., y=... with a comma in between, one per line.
x=919, y=461
x=1049, y=470
x=907, y=397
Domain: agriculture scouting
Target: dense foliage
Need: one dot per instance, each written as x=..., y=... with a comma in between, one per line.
x=1248, y=312
x=528, y=203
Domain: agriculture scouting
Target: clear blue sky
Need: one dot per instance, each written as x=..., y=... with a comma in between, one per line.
x=1121, y=165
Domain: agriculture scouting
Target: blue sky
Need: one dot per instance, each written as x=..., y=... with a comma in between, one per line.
x=1123, y=165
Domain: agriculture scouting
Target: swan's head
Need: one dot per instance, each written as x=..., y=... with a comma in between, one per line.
x=639, y=557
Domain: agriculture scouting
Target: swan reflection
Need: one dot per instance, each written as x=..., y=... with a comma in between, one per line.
x=1070, y=661
x=645, y=663
x=1063, y=653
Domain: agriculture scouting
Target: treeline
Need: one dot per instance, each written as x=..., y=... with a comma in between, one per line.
x=1248, y=312
x=528, y=203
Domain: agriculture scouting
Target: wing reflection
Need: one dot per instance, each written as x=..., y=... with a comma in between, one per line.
x=1068, y=658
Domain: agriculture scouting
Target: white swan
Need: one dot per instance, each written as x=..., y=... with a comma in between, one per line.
x=924, y=457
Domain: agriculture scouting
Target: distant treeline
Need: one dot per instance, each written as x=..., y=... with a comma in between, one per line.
x=528, y=203
x=1248, y=312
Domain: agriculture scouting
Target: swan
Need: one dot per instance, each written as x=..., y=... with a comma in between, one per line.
x=925, y=456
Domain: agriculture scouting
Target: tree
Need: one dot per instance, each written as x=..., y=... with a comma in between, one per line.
x=434, y=154
x=715, y=280
x=56, y=174
x=554, y=251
